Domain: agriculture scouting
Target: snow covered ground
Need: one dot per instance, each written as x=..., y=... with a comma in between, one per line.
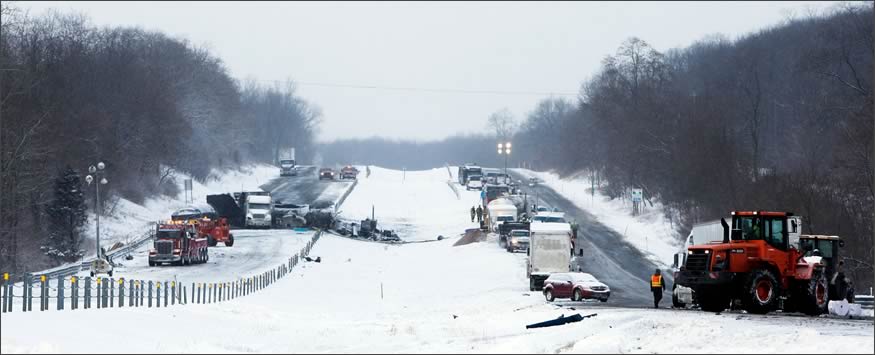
x=430, y=297
x=418, y=205
x=423, y=298
x=650, y=231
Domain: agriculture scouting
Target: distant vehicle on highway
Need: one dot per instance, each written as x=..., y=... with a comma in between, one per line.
x=326, y=174
x=549, y=217
x=575, y=285
x=518, y=240
x=348, y=172
x=474, y=183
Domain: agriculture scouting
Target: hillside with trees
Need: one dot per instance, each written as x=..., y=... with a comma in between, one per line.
x=145, y=103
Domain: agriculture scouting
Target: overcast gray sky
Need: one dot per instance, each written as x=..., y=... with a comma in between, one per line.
x=530, y=49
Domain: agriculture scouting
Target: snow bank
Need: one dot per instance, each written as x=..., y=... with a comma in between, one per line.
x=418, y=205
x=650, y=231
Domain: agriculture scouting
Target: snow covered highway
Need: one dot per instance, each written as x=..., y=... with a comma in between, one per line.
x=431, y=297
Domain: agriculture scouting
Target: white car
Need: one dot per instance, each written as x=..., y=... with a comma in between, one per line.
x=474, y=183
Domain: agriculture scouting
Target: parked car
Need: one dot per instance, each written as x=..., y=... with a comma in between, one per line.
x=575, y=285
x=474, y=182
x=326, y=174
x=518, y=240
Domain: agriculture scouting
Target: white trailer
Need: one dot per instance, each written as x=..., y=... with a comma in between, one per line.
x=549, y=252
x=500, y=210
x=702, y=233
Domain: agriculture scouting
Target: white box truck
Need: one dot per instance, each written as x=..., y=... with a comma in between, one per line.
x=702, y=233
x=499, y=211
x=549, y=252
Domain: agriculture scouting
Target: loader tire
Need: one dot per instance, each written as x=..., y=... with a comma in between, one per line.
x=712, y=300
x=212, y=242
x=813, y=294
x=762, y=291
x=230, y=242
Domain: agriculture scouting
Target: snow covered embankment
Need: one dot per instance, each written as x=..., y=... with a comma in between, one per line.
x=649, y=232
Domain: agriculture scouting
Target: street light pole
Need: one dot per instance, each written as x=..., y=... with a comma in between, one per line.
x=97, y=173
x=504, y=148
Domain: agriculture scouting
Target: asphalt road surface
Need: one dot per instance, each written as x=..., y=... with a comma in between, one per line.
x=306, y=188
x=605, y=254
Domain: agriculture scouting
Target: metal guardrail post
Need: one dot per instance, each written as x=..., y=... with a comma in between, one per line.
x=150, y=294
x=87, y=299
x=74, y=293
x=173, y=292
x=5, y=290
x=60, y=293
x=158, y=294
x=42, y=293
x=111, y=292
x=198, y=293
x=184, y=295
x=121, y=293
x=26, y=301
x=99, y=293
x=166, y=293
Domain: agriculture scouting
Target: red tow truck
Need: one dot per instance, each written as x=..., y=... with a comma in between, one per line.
x=178, y=243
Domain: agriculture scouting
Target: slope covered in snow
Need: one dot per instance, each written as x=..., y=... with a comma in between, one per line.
x=418, y=205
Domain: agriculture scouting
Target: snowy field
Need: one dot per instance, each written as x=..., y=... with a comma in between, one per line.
x=418, y=205
x=650, y=231
x=431, y=297
x=418, y=298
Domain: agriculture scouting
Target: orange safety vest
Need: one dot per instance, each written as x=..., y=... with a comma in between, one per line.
x=656, y=281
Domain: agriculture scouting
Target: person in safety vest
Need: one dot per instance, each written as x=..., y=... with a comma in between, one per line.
x=657, y=285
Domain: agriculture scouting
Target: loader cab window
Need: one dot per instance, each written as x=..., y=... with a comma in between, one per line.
x=750, y=226
x=776, y=234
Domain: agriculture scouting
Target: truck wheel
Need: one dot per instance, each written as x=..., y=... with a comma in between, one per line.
x=577, y=296
x=212, y=242
x=813, y=294
x=548, y=294
x=230, y=242
x=761, y=292
x=712, y=300
x=531, y=284
x=151, y=264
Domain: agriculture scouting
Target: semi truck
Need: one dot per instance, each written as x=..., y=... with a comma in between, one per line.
x=250, y=209
x=549, y=252
x=288, y=166
x=178, y=243
x=466, y=171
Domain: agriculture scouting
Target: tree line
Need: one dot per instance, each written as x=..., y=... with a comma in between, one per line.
x=146, y=104
x=780, y=119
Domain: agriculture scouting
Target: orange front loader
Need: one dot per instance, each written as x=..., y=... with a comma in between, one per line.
x=759, y=262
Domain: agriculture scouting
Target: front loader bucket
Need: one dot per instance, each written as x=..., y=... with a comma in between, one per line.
x=227, y=207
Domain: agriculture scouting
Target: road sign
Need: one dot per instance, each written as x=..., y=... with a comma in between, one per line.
x=637, y=195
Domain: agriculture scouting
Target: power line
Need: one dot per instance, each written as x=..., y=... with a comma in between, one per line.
x=421, y=89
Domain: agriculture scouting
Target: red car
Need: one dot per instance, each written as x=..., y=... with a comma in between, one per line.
x=575, y=285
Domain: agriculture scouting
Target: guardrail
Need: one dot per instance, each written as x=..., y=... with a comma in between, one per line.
x=74, y=294
x=865, y=301
x=71, y=270
x=344, y=196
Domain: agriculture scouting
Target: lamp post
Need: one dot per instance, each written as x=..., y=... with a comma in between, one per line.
x=97, y=173
x=504, y=149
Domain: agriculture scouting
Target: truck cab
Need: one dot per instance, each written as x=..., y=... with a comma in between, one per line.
x=288, y=167
x=701, y=233
x=257, y=209
x=177, y=242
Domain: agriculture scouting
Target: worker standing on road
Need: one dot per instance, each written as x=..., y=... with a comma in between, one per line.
x=479, y=214
x=473, y=214
x=657, y=285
